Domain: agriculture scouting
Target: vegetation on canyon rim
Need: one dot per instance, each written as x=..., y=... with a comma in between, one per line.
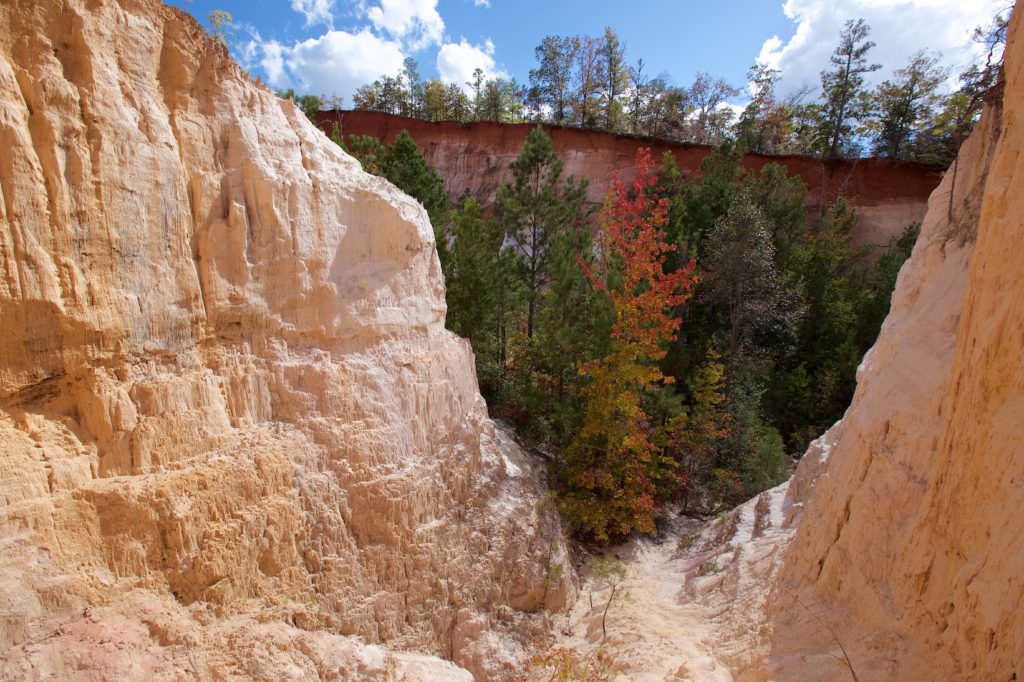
x=587, y=81
x=681, y=342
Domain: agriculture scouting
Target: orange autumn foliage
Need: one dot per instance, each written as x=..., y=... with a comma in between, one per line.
x=613, y=469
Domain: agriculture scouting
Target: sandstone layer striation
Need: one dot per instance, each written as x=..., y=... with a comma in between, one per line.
x=476, y=159
x=235, y=438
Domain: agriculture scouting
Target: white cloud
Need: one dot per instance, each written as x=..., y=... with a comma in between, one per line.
x=273, y=62
x=482, y=3
x=899, y=27
x=336, y=63
x=414, y=22
x=457, y=61
x=315, y=11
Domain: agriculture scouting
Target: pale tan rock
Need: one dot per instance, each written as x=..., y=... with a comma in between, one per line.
x=908, y=553
x=895, y=551
x=235, y=436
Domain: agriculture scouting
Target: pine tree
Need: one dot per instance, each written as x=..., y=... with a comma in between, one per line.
x=843, y=88
x=477, y=282
x=741, y=280
x=404, y=165
x=551, y=81
x=763, y=126
x=613, y=470
x=368, y=150
x=536, y=208
x=586, y=103
x=614, y=78
x=905, y=104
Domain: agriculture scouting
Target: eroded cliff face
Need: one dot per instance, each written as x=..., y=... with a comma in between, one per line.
x=476, y=159
x=908, y=556
x=235, y=438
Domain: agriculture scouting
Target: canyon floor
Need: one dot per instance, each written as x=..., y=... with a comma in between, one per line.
x=688, y=607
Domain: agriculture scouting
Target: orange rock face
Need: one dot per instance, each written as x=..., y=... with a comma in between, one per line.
x=235, y=438
x=475, y=159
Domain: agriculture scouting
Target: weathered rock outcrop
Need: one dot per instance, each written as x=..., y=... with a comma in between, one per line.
x=236, y=440
x=476, y=159
x=908, y=556
x=897, y=549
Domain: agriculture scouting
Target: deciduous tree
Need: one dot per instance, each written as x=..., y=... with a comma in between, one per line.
x=612, y=470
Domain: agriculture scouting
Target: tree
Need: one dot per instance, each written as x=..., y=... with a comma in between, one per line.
x=534, y=209
x=959, y=111
x=707, y=96
x=460, y=106
x=694, y=435
x=764, y=125
x=404, y=165
x=816, y=378
x=610, y=573
x=904, y=105
x=741, y=281
x=368, y=150
x=612, y=470
x=413, y=104
x=500, y=101
x=387, y=94
x=586, y=102
x=551, y=81
x=220, y=22
x=613, y=76
x=477, y=279
x=639, y=84
x=843, y=88
x=780, y=198
x=435, y=101
x=309, y=104
x=477, y=85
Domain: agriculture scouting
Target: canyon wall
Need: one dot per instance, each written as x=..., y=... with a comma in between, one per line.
x=236, y=440
x=476, y=158
x=908, y=557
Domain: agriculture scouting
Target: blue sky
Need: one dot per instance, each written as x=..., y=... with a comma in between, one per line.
x=332, y=46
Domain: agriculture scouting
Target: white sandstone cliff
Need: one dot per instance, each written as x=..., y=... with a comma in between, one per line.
x=235, y=439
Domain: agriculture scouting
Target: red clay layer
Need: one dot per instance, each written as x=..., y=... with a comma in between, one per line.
x=474, y=159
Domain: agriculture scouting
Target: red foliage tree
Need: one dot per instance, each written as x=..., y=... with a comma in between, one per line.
x=613, y=470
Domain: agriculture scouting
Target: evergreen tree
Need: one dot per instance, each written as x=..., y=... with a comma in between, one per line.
x=309, y=104
x=477, y=280
x=586, y=99
x=843, y=89
x=413, y=102
x=477, y=86
x=742, y=283
x=536, y=208
x=368, y=150
x=614, y=77
x=551, y=81
x=764, y=125
x=904, y=105
x=817, y=378
x=404, y=165
x=781, y=199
